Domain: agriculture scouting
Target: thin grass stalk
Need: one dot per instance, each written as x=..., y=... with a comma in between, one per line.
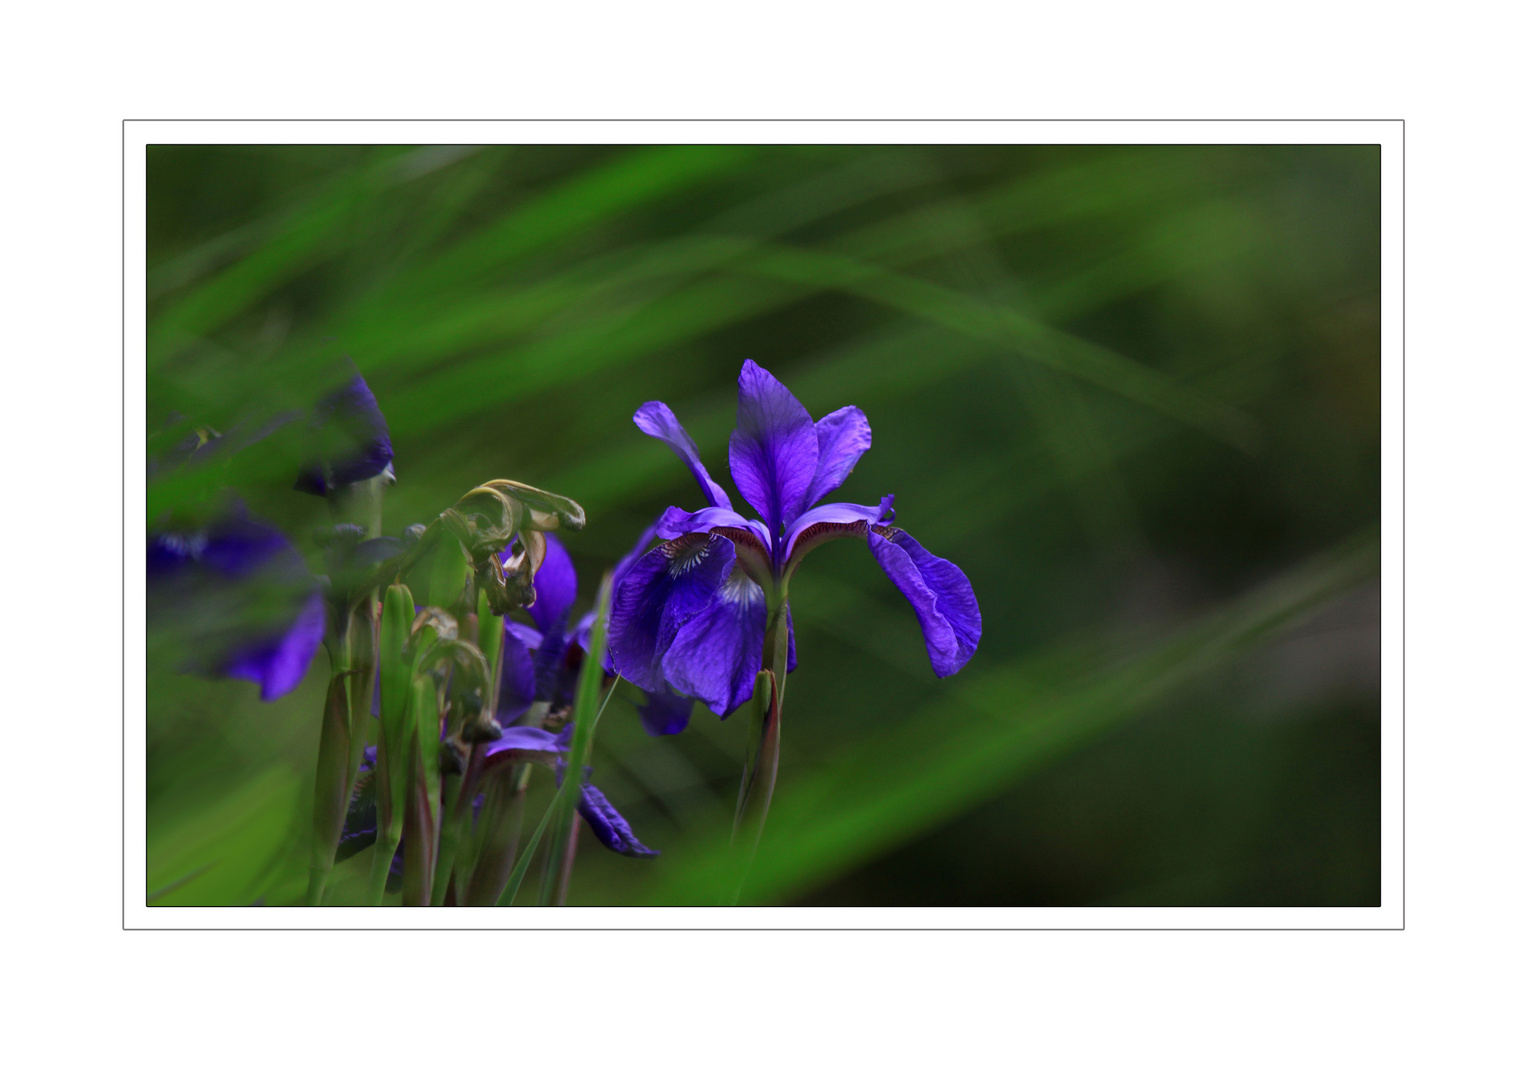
x=586, y=710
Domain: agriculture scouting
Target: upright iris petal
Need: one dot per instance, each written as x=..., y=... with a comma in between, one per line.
x=536, y=665
x=517, y=672
x=842, y=439
x=774, y=449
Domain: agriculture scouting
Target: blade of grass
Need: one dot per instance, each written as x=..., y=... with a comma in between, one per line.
x=522, y=864
x=587, y=709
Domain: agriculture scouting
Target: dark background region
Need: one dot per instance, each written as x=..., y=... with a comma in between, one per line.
x=1132, y=391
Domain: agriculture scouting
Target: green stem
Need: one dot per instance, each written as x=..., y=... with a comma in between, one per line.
x=329, y=784
x=382, y=855
x=394, y=745
x=421, y=816
x=762, y=765
x=503, y=817
x=363, y=658
x=449, y=833
x=459, y=792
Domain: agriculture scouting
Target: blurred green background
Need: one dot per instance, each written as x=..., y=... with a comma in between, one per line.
x=1132, y=391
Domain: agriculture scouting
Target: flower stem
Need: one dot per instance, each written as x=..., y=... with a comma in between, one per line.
x=421, y=814
x=762, y=766
x=502, y=818
x=330, y=794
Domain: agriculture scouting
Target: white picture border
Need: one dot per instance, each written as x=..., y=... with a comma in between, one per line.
x=1388, y=134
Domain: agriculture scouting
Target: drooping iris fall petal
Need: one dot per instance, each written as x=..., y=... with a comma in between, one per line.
x=607, y=824
x=665, y=713
x=715, y=656
x=661, y=592
x=940, y=595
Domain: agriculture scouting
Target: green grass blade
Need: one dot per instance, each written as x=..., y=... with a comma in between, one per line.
x=587, y=709
x=522, y=864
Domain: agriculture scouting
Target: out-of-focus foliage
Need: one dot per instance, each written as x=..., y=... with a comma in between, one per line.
x=1131, y=391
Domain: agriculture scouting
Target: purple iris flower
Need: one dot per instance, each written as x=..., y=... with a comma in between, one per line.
x=246, y=604
x=692, y=614
x=353, y=442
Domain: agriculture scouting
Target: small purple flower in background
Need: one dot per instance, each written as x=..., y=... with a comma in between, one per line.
x=353, y=442
x=693, y=614
x=239, y=598
x=242, y=599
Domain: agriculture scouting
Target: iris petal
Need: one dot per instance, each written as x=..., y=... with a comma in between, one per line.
x=842, y=438
x=521, y=741
x=237, y=545
x=354, y=443
x=665, y=713
x=940, y=595
x=774, y=449
x=279, y=664
x=676, y=522
x=607, y=824
x=716, y=656
x=556, y=584
x=517, y=673
x=657, y=420
x=248, y=605
x=661, y=592
x=638, y=549
x=819, y=523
